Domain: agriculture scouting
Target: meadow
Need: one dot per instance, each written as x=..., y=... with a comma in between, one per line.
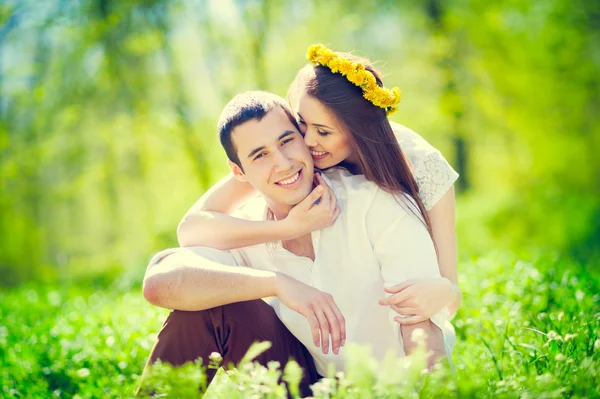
x=526, y=329
x=108, y=112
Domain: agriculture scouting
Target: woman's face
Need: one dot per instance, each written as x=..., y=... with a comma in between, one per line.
x=327, y=142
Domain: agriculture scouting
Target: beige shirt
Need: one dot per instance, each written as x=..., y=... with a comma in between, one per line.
x=375, y=242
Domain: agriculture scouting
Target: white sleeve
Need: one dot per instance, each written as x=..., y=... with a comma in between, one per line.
x=432, y=172
x=403, y=247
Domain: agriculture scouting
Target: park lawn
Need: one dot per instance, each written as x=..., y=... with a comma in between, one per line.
x=525, y=329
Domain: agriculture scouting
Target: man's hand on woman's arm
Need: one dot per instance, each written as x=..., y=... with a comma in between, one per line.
x=419, y=299
x=434, y=340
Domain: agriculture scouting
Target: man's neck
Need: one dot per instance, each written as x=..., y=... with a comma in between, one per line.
x=300, y=246
x=279, y=211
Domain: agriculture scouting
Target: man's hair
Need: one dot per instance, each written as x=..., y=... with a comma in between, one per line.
x=247, y=106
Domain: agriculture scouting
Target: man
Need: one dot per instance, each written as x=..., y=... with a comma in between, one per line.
x=324, y=287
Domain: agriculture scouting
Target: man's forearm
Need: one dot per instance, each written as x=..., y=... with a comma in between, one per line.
x=434, y=340
x=185, y=281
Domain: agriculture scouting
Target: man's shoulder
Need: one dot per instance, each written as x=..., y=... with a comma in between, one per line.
x=344, y=184
x=356, y=188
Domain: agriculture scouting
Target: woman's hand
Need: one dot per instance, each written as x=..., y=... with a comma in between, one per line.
x=419, y=298
x=317, y=211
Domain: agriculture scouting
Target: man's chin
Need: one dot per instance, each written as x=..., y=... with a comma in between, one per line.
x=296, y=197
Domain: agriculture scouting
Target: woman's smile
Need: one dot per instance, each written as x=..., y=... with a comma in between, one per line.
x=318, y=155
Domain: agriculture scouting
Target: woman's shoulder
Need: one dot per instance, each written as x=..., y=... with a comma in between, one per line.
x=410, y=141
x=432, y=172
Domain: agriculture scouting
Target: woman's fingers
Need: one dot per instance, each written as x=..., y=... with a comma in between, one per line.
x=405, y=310
x=396, y=298
x=398, y=287
x=313, y=197
x=336, y=213
x=407, y=321
x=332, y=198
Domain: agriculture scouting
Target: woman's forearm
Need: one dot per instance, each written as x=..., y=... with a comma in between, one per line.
x=444, y=232
x=216, y=230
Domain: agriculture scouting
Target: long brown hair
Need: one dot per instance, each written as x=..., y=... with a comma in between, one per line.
x=370, y=134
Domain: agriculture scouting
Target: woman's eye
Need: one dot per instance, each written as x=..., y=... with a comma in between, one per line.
x=287, y=141
x=262, y=154
x=322, y=133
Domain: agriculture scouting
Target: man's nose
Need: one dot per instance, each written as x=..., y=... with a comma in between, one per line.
x=282, y=161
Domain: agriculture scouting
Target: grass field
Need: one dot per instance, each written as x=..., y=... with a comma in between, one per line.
x=525, y=329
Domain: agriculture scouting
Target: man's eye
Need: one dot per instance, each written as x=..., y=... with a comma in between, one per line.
x=287, y=141
x=262, y=154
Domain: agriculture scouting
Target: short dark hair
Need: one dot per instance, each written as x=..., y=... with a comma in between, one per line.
x=247, y=106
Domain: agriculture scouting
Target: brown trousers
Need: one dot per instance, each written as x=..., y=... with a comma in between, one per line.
x=230, y=330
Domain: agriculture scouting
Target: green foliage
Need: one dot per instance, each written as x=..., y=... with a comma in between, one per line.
x=525, y=330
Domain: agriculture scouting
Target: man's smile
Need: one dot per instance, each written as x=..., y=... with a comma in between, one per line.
x=291, y=181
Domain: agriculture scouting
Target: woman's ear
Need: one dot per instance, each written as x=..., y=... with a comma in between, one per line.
x=237, y=171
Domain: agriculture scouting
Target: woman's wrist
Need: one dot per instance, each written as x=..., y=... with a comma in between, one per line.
x=287, y=229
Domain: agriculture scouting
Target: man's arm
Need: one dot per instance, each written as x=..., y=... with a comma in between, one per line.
x=434, y=340
x=203, y=278
x=199, y=278
x=404, y=251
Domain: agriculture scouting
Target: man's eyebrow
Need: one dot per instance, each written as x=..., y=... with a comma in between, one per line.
x=281, y=136
x=285, y=134
x=316, y=124
x=256, y=150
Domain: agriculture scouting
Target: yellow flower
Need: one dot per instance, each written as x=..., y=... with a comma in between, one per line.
x=334, y=64
x=346, y=68
x=357, y=74
x=397, y=94
x=312, y=52
x=370, y=83
x=359, y=78
x=369, y=95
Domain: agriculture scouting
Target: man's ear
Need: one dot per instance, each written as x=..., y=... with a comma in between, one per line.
x=237, y=171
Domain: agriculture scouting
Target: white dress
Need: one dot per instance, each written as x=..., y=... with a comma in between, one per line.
x=432, y=173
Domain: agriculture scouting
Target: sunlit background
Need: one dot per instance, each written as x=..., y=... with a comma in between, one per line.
x=109, y=111
x=108, y=114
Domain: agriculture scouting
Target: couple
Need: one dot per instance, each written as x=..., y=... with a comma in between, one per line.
x=316, y=260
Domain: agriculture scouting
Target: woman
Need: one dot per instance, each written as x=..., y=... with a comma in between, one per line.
x=342, y=111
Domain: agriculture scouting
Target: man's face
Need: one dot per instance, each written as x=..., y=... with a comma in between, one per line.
x=274, y=158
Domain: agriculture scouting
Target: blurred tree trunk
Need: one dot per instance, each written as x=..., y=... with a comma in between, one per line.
x=258, y=17
x=194, y=149
x=452, y=102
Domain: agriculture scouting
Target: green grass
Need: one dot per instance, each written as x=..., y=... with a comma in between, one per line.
x=524, y=330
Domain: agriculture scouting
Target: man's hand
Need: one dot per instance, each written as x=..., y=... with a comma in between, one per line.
x=319, y=308
x=432, y=337
x=420, y=298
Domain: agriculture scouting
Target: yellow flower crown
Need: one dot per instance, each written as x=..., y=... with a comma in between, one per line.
x=356, y=74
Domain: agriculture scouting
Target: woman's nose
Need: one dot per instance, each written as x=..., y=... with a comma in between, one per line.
x=310, y=139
